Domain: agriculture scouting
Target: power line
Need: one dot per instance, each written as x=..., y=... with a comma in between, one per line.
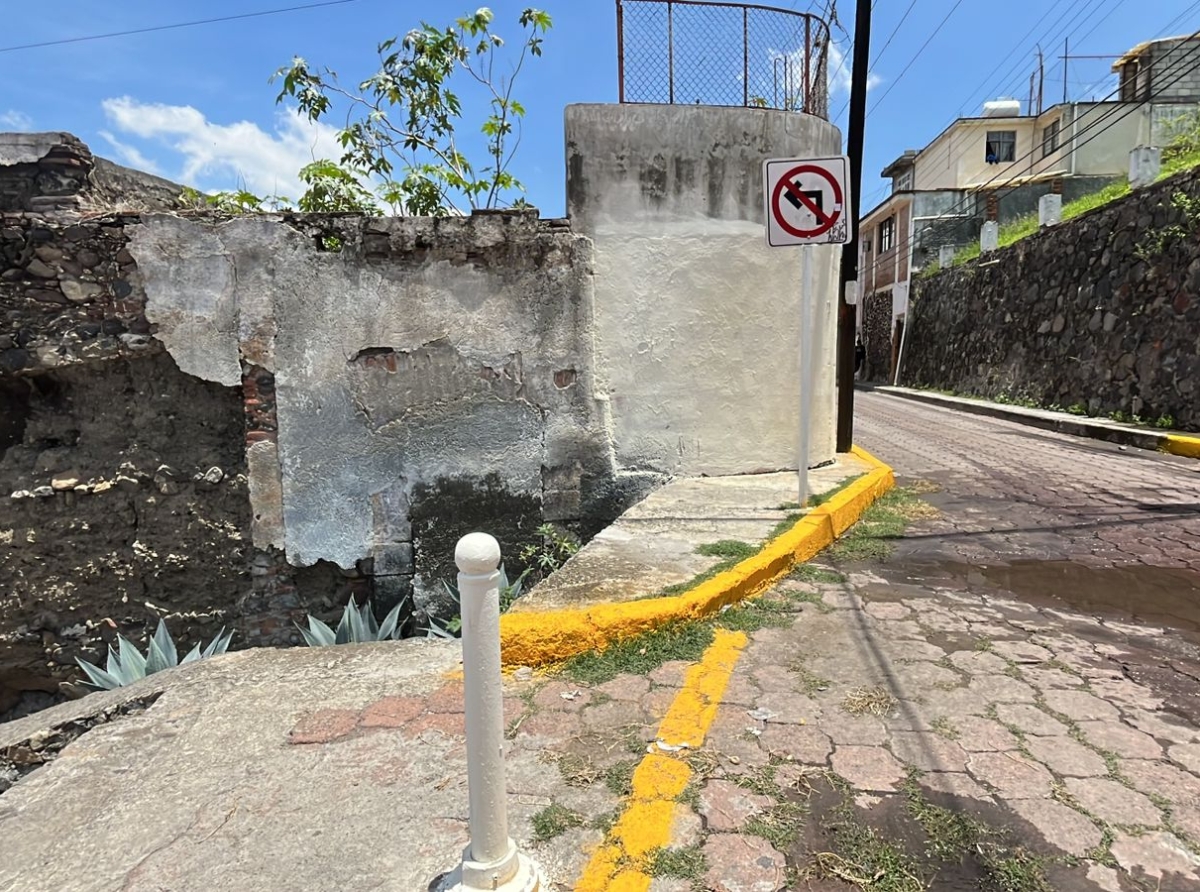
x=916, y=56
x=952, y=216
x=892, y=36
x=227, y=18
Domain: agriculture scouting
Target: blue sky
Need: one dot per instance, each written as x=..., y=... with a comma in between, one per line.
x=195, y=105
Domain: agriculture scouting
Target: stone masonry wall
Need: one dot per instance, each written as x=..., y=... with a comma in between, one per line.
x=1101, y=312
x=877, y=336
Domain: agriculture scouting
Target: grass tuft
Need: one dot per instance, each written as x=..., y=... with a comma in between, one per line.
x=554, y=820
x=641, y=654
x=685, y=863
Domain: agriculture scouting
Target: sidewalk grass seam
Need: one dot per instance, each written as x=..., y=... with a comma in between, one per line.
x=542, y=638
x=661, y=777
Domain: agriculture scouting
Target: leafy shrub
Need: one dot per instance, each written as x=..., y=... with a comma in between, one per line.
x=127, y=664
x=356, y=627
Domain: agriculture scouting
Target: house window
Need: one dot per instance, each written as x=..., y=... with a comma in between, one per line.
x=887, y=235
x=1050, y=139
x=904, y=182
x=1001, y=147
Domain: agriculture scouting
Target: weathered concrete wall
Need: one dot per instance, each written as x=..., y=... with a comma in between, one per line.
x=1101, y=312
x=696, y=319
x=428, y=378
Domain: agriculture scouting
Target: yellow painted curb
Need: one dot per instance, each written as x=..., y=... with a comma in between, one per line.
x=1189, y=446
x=537, y=639
x=645, y=825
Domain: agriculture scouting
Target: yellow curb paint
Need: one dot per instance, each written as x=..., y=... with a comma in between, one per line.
x=537, y=639
x=660, y=778
x=1189, y=446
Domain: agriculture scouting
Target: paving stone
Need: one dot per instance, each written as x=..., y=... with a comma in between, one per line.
x=1062, y=827
x=1163, y=779
x=980, y=735
x=670, y=673
x=726, y=807
x=741, y=690
x=775, y=678
x=978, y=663
x=392, y=712
x=1162, y=727
x=1066, y=757
x=1112, y=801
x=656, y=703
x=1081, y=706
x=1001, y=689
x=887, y=610
x=1186, y=819
x=928, y=751
x=615, y=714
x=563, y=697
x=1126, y=693
x=1158, y=855
x=788, y=708
x=543, y=725
x=927, y=678
x=739, y=863
x=1015, y=776
x=324, y=726
x=913, y=650
x=1047, y=679
x=1187, y=755
x=1106, y=878
x=625, y=687
x=1030, y=719
x=1129, y=743
x=1021, y=651
x=447, y=698
x=441, y=724
x=870, y=768
x=670, y=884
x=954, y=784
x=844, y=728
x=804, y=744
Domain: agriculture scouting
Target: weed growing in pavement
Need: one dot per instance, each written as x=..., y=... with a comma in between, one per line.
x=780, y=824
x=728, y=548
x=576, y=770
x=686, y=863
x=604, y=822
x=554, y=820
x=809, y=682
x=943, y=727
x=864, y=859
x=641, y=654
x=881, y=524
x=619, y=777
x=869, y=701
x=816, y=575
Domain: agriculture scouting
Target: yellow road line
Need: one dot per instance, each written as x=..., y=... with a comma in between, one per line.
x=537, y=639
x=619, y=864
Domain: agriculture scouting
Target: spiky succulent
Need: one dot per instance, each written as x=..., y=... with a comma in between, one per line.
x=509, y=593
x=357, y=626
x=126, y=664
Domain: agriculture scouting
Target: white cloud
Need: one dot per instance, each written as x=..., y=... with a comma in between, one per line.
x=130, y=155
x=15, y=120
x=227, y=156
x=840, y=72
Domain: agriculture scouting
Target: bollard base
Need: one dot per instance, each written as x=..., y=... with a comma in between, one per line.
x=474, y=877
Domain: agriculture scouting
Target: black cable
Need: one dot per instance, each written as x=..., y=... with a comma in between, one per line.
x=1126, y=109
x=227, y=18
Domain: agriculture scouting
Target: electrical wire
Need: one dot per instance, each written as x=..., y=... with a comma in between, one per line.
x=891, y=36
x=1125, y=110
x=227, y=18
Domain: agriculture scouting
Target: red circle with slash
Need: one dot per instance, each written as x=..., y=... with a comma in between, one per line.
x=825, y=221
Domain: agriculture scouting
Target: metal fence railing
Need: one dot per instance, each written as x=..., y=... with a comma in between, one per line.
x=685, y=52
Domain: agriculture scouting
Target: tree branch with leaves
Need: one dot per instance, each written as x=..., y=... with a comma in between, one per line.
x=400, y=139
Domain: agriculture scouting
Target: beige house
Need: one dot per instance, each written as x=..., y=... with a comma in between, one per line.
x=999, y=164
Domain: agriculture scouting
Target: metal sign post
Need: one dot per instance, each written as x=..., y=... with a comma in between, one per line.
x=805, y=204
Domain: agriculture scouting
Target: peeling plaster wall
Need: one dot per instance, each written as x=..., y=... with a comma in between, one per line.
x=697, y=320
x=422, y=354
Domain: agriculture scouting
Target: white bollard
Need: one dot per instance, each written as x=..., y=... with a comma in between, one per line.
x=490, y=861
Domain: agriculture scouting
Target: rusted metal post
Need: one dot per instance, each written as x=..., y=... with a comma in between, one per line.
x=621, y=51
x=807, y=60
x=671, y=50
x=745, y=57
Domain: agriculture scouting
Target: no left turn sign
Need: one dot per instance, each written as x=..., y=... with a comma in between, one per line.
x=807, y=201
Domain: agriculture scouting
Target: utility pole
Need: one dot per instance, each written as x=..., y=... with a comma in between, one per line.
x=847, y=312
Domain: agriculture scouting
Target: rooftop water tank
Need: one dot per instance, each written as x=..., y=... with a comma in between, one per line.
x=1002, y=108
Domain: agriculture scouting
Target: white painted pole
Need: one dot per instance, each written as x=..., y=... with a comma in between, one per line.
x=491, y=860
x=807, y=303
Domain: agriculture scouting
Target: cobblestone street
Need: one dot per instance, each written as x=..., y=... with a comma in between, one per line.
x=1006, y=702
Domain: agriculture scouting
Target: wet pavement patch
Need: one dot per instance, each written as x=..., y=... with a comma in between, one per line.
x=911, y=841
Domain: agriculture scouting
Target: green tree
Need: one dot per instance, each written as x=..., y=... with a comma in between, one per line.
x=402, y=122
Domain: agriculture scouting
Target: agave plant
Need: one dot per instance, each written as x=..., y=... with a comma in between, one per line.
x=509, y=593
x=127, y=664
x=357, y=626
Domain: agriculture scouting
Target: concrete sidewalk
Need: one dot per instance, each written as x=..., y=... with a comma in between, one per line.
x=345, y=767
